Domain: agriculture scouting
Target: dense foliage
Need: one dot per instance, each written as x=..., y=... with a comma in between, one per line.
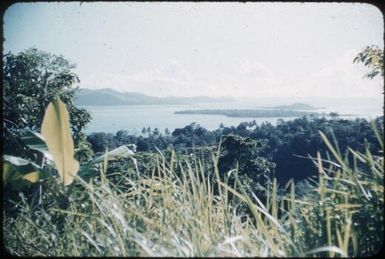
x=284, y=143
x=173, y=211
x=245, y=155
x=31, y=80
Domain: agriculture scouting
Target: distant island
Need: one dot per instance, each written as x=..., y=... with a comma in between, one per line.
x=109, y=96
x=256, y=113
x=294, y=106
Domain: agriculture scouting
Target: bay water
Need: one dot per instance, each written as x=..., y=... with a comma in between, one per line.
x=133, y=118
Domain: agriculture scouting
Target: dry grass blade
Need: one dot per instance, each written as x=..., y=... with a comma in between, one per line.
x=330, y=249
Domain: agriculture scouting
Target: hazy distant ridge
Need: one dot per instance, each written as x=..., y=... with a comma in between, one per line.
x=257, y=113
x=294, y=106
x=112, y=97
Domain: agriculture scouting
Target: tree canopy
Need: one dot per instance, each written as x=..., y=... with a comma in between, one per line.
x=31, y=80
x=373, y=58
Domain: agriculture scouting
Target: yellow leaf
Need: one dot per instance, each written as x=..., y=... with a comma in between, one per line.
x=56, y=132
x=32, y=177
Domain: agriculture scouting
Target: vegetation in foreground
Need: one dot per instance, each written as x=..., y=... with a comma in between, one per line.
x=178, y=210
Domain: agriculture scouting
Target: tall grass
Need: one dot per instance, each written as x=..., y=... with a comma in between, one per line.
x=175, y=211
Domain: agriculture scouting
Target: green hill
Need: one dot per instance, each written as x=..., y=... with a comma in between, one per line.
x=107, y=96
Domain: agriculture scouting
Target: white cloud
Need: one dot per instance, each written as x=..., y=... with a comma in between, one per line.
x=255, y=70
x=255, y=79
x=341, y=78
x=161, y=81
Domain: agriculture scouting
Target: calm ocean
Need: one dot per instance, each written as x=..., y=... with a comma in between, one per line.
x=134, y=117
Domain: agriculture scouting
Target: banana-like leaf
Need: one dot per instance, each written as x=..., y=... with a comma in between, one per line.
x=17, y=161
x=16, y=168
x=36, y=142
x=120, y=152
x=56, y=132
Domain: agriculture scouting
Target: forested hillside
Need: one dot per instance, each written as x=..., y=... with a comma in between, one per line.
x=284, y=144
x=108, y=97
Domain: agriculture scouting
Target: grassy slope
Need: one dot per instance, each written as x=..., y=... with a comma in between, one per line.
x=174, y=212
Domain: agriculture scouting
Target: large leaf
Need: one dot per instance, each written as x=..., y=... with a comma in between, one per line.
x=16, y=168
x=17, y=161
x=57, y=134
x=120, y=152
x=36, y=142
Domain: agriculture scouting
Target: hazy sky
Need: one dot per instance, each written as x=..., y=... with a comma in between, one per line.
x=213, y=49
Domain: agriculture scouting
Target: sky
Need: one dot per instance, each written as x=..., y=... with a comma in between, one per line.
x=206, y=49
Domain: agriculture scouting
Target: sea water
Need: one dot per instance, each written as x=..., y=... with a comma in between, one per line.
x=133, y=118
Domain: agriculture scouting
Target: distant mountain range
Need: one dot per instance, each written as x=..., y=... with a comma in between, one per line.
x=294, y=106
x=256, y=113
x=109, y=96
